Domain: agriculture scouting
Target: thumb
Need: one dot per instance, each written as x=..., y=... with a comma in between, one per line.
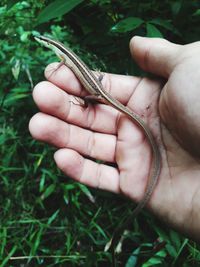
x=155, y=55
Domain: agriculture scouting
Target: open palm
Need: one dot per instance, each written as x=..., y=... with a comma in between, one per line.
x=100, y=132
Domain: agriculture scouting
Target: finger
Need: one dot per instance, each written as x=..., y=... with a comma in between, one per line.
x=51, y=130
x=64, y=78
x=155, y=55
x=120, y=87
x=138, y=94
x=87, y=171
x=52, y=100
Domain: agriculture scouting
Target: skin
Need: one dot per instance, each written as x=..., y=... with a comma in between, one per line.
x=169, y=105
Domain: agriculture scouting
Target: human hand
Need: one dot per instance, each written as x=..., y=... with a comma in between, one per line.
x=100, y=132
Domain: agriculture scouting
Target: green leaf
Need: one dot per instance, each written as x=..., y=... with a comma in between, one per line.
x=163, y=236
x=152, y=31
x=16, y=69
x=53, y=217
x=157, y=259
x=9, y=254
x=196, y=13
x=175, y=238
x=171, y=250
x=11, y=3
x=101, y=231
x=133, y=259
x=176, y=7
x=180, y=250
x=164, y=23
x=42, y=182
x=36, y=241
x=17, y=94
x=127, y=24
x=87, y=192
x=57, y=9
x=50, y=189
x=3, y=237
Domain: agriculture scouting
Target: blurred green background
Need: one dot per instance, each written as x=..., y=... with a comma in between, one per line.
x=42, y=212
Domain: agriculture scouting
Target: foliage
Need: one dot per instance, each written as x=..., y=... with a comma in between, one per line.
x=43, y=213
